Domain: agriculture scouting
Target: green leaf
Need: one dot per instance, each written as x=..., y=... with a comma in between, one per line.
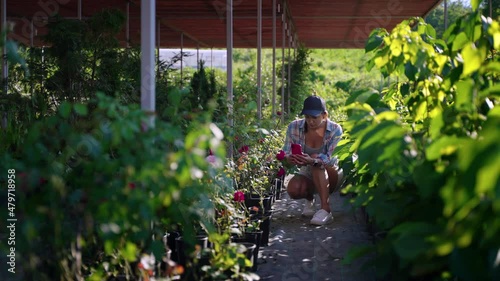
x=464, y=94
x=387, y=115
x=430, y=30
x=252, y=105
x=475, y=4
x=420, y=111
x=411, y=71
x=81, y=109
x=369, y=65
x=487, y=177
x=360, y=96
x=437, y=123
x=409, y=238
x=492, y=66
x=427, y=180
x=473, y=58
x=65, y=109
x=409, y=246
x=380, y=61
x=175, y=97
x=405, y=89
x=130, y=251
x=443, y=146
x=460, y=41
x=373, y=42
x=356, y=252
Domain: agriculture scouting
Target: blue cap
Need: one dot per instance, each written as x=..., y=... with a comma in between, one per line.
x=313, y=106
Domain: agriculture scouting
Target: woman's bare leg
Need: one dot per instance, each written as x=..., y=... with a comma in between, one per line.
x=321, y=183
x=333, y=177
x=300, y=187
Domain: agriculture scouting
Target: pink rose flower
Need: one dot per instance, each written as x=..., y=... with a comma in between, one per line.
x=281, y=155
x=239, y=196
x=211, y=159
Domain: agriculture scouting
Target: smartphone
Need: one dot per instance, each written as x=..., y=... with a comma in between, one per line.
x=296, y=148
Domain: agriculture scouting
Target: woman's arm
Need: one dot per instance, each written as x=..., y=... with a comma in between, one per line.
x=331, y=143
x=292, y=136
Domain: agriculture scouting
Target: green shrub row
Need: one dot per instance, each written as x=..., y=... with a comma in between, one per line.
x=424, y=152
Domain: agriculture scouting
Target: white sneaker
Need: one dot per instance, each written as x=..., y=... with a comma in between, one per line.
x=322, y=217
x=309, y=209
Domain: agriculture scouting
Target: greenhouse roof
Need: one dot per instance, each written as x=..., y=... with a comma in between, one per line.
x=314, y=23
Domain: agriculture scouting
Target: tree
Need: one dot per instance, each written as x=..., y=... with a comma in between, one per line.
x=455, y=9
x=495, y=8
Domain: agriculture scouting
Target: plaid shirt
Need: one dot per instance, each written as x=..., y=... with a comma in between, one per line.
x=295, y=134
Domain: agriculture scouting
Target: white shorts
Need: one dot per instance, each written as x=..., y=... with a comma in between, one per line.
x=306, y=170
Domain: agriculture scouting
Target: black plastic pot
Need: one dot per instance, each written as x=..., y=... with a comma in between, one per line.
x=251, y=248
x=265, y=226
x=183, y=251
x=169, y=242
x=254, y=237
x=254, y=200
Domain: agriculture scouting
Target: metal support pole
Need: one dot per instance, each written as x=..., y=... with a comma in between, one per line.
x=295, y=47
x=289, y=73
x=283, y=31
x=294, y=54
x=274, y=60
x=445, y=14
x=5, y=65
x=148, y=98
x=127, y=25
x=198, y=57
x=491, y=8
x=229, y=57
x=32, y=33
x=158, y=40
x=79, y=9
x=259, y=59
x=211, y=57
x=182, y=59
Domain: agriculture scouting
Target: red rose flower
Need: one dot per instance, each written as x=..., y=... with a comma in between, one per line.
x=243, y=149
x=281, y=155
x=278, y=113
x=42, y=180
x=281, y=172
x=239, y=196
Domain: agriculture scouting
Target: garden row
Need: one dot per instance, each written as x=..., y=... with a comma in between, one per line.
x=424, y=152
x=97, y=202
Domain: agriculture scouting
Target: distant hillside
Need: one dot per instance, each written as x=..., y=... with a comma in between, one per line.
x=333, y=74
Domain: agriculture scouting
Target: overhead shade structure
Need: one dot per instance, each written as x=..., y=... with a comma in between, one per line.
x=317, y=23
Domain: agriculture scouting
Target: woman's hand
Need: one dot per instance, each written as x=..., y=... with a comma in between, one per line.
x=300, y=159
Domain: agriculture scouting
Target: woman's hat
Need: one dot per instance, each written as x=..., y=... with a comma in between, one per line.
x=313, y=106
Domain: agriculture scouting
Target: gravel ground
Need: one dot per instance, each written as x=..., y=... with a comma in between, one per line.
x=298, y=250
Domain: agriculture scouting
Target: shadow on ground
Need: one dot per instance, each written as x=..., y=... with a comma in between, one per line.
x=300, y=251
